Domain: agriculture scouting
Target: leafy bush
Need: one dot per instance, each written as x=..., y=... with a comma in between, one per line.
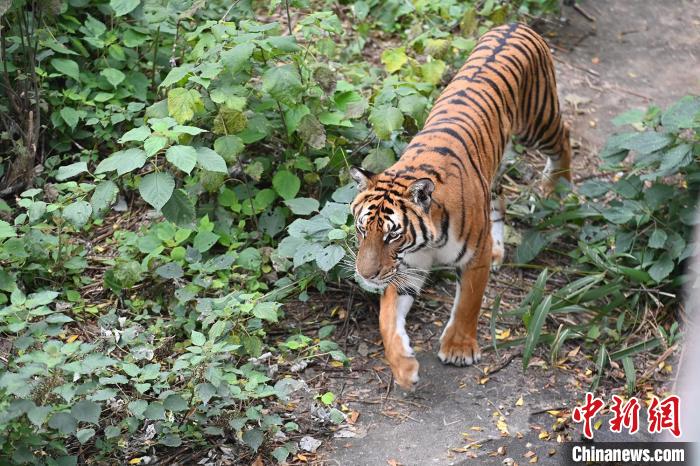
x=126, y=333
x=633, y=230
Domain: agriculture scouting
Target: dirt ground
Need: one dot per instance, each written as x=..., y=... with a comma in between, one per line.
x=626, y=54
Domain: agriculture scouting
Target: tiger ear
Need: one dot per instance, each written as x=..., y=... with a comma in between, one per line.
x=422, y=192
x=362, y=177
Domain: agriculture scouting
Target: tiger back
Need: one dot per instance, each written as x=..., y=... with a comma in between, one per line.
x=433, y=206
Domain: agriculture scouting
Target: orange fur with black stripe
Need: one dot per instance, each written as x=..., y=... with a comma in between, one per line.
x=433, y=206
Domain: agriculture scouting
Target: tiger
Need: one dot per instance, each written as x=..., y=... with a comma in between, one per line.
x=434, y=205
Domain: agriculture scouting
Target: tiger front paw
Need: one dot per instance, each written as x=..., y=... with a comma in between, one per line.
x=459, y=351
x=405, y=370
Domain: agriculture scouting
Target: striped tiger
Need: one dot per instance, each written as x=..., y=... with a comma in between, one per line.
x=433, y=206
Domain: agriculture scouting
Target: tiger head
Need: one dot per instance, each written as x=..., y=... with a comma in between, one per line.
x=391, y=219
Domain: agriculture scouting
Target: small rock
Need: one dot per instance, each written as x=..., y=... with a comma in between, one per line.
x=309, y=444
x=509, y=461
x=363, y=349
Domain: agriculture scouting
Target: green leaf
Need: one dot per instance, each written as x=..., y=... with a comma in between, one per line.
x=123, y=162
x=70, y=116
x=209, y=160
x=175, y=403
x=283, y=84
x=532, y=244
x=77, y=213
x=66, y=67
x=197, y=338
x=113, y=76
x=630, y=374
x=328, y=398
x=86, y=411
x=64, y=423
x=302, y=205
x=385, y=119
x=286, y=184
x=38, y=414
x=394, y=59
x=6, y=230
x=155, y=412
x=683, y=114
x=103, y=197
x=69, y=171
x=170, y=270
x=184, y=103
x=83, y=435
x=229, y=147
x=379, y=159
x=329, y=257
x=312, y=132
x=618, y=215
x=180, y=209
x=657, y=239
x=136, y=134
x=205, y=240
x=122, y=7
x=249, y=259
x=183, y=157
x=266, y=311
x=176, y=74
x=432, y=71
x=238, y=57
x=253, y=438
x=648, y=142
x=534, y=328
x=154, y=144
x=661, y=268
x=157, y=188
x=217, y=330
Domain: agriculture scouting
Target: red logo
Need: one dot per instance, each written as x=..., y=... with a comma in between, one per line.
x=661, y=414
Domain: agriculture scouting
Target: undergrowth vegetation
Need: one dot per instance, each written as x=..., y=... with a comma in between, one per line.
x=174, y=172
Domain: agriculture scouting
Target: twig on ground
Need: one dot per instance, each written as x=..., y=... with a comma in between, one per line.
x=584, y=13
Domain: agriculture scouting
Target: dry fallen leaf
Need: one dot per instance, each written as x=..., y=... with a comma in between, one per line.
x=529, y=454
x=258, y=461
x=533, y=459
x=72, y=338
x=520, y=401
x=503, y=334
x=393, y=462
x=476, y=428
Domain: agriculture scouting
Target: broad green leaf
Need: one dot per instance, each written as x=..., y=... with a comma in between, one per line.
x=661, y=268
x=618, y=215
x=38, y=414
x=77, y=213
x=302, y=205
x=86, y=411
x=170, y=270
x=176, y=74
x=155, y=411
x=184, y=103
x=657, y=239
x=103, y=197
x=683, y=114
x=113, y=76
x=385, y=119
x=69, y=171
x=266, y=311
x=432, y=71
x=136, y=134
x=312, y=131
x=238, y=57
x=157, y=188
x=183, y=157
x=175, y=403
x=253, y=438
x=122, y=7
x=122, y=161
x=329, y=257
x=197, y=338
x=286, y=184
x=229, y=147
x=64, y=423
x=249, y=259
x=180, y=209
x=283, y=84
x=66, y=67
x=205, y=240
x=209, y=160
x=154, y=144
x=378, y=159
x=217, y=330
x=83, y=435
x=70, y=116
x=648, y=142
x=394, y=59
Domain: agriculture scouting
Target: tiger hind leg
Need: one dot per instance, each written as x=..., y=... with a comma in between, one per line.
x=498, y=213
x=558, y=164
